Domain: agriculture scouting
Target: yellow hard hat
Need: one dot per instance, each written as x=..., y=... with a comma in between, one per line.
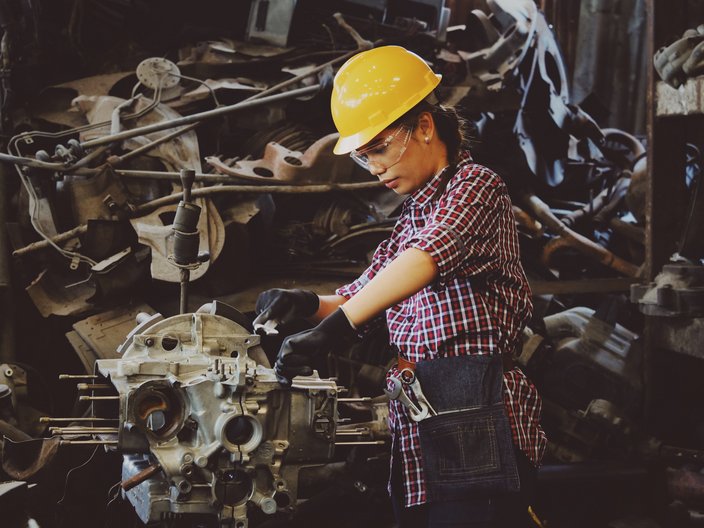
x=373, y=89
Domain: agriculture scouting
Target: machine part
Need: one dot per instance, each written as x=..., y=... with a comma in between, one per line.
x=50, y=295
x=682, y=58
x=158, y=73
x=570, y=238
x=592, y=359
x=24, y=459
x=635, y=197
x=202, y=116
x=186, y=238
x=270, y=21
x=181, y=151
x=501, y=40
x=155, y=231
x=98, y=336
x=206, y=429
x=98, y=197
x=317, y=164
x=678, y=290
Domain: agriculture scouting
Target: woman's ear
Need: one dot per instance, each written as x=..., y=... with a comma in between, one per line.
x=426, y=125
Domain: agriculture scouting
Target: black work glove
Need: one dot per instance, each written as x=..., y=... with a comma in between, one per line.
x=298, y=351
x=284, y=306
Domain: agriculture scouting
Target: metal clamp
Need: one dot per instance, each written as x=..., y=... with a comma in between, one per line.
x=419, y=411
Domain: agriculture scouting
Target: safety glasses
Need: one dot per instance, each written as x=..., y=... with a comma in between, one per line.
x=385, y=152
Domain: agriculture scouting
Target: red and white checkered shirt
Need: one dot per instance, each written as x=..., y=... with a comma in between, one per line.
x=479, y=304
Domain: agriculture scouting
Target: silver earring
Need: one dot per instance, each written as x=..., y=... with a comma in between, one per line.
x=427, y=140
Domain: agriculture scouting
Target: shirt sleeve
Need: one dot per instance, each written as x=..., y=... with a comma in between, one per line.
x=377, y=264
x=464, y=232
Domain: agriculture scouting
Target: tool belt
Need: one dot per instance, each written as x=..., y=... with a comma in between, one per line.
x=467, y=445
x=507, y=361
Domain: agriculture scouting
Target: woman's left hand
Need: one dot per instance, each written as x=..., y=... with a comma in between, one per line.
x=299, y=350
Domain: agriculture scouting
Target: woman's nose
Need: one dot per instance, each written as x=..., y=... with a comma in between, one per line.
x=376, y=170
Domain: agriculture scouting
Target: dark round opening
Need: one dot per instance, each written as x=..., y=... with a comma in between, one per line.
x=293, y=161
x=282, y=499
x=239, y=430
x=169, y=343
x=264, y=172
x=233, y=487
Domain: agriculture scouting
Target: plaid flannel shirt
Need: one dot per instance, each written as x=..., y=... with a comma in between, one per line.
x=479, y=303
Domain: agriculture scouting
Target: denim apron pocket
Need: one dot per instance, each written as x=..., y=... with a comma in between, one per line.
x=467, y=447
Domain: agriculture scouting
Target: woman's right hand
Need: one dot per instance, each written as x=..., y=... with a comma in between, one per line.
x=284, y=306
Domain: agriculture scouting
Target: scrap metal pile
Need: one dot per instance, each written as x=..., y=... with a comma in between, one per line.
x=190, y=402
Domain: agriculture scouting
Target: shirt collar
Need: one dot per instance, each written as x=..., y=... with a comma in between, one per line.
x=421, y=197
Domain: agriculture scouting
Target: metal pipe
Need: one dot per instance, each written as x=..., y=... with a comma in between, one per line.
x=82, y=430
x=376, y=442
x=62, y=237
x=93, y=386
x=183, y=300
x=88, y=442
x=140, y=477
x=283, y=189
x=49, y=419
x=197, y=193
x=76, y=376
x=116, y=160
x=568, y=237
x=223, y=177
x=202, y=116
x=97, y=398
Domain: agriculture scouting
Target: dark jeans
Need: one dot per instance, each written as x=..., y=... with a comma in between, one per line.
x=498, y=510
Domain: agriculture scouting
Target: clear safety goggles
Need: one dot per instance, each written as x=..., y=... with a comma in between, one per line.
x=384, y=152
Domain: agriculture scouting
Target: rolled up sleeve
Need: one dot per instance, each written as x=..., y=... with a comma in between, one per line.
x=461, y=236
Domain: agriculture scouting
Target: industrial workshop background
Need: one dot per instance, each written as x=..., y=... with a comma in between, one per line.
x=164, y=161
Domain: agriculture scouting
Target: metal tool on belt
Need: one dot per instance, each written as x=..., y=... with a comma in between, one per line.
x=419, y=411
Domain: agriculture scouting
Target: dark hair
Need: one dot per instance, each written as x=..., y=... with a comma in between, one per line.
x=451, y=127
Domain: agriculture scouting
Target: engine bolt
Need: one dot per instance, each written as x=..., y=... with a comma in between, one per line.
x=149, y=342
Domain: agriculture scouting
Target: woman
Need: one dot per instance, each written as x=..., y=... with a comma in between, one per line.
x=451, y=284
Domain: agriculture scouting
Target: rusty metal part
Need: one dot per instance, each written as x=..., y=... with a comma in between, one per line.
x=42, y=244
x=569, y=238
x=222, y=168
x=616, y=135
x=140, y=477
x=316, y=165
x=527, y=222
x=13, y=432
x=50, y=294
x=602, y=207
x=22, y=460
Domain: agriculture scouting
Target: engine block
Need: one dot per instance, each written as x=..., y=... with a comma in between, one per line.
x=204, y=426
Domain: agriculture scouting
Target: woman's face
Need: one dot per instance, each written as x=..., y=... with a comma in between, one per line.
x=402, y=158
